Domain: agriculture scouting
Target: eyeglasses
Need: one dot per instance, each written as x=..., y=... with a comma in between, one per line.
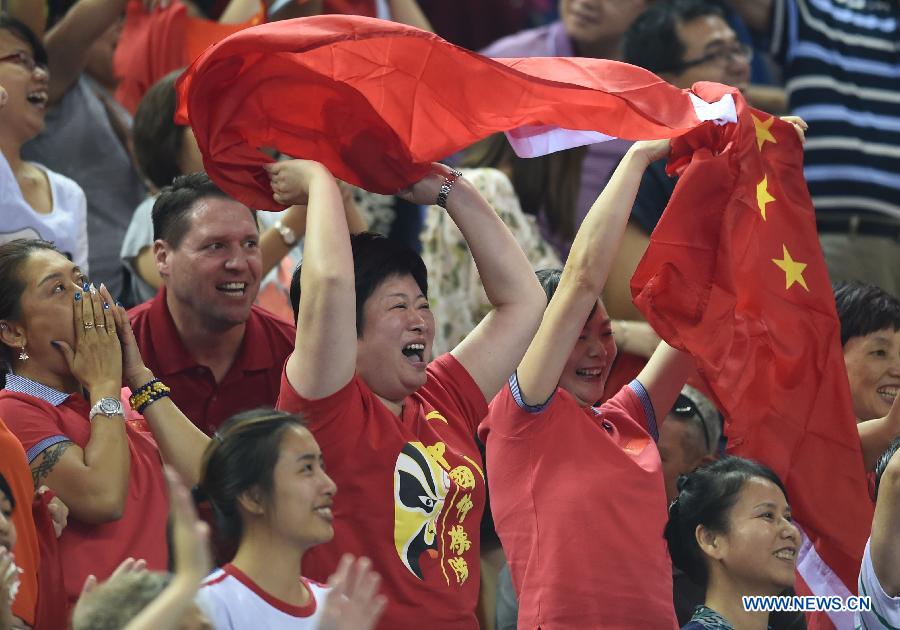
x=685, y=408
x=25, y=60
x=720, y=57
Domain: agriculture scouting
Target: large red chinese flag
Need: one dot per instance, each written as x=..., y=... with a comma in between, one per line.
x=378, y=101
x=734, y=274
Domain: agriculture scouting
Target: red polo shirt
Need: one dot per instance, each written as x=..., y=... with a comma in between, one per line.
x=579, y=503
x=253, y=380
x=411, y=492
x=41, y=417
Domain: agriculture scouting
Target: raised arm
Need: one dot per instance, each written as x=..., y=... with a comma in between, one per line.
x=584, y=275
x=876, y=435
x=92, y=481
x=885, y=542
x=181, y=443
x=324, y=356
x=68, y=42
x=491, y=352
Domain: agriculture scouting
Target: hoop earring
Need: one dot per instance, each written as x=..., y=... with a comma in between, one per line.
x=23, y=356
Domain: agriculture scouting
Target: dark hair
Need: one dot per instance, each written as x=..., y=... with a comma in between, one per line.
x=5, y=489
x=172, y=209
x=883, y=462
x=241, y=456
x=13, y=256
x=375, y=259
x=864, y=308
x=652, y=40
x=23, y=32
x=706, y=497
x=547, y=185
x=157, y=138
x=549, y=281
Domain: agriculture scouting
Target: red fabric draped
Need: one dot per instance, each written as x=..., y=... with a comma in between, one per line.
x=734, y=274
x=378, y=101
x=155, y=43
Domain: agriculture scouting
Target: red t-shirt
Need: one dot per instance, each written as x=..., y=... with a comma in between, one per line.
x=14, y=468
x=579, y=503
x=252, y=381
x=87, y=548
x=410, y=492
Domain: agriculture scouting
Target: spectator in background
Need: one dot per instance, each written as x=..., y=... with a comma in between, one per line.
x=879, y=576
x=87, y=134
x=35, y=202
x=870, y=336
x=839, y=61
x=730, y=531
x=683, y=41
x=165, y=150
x=201, y=333
x=689, y=437
x=586, y=28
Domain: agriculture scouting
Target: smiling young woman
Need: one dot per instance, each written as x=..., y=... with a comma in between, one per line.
x=547, y=443
x=730, y=530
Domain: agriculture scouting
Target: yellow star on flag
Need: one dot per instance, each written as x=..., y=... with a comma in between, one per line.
x=793, y=270
x=762, y=131
x=762, y=196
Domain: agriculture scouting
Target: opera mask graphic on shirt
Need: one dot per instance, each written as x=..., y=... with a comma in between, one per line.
x=420, y=489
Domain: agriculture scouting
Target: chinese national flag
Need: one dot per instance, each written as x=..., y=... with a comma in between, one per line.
x=734, y=274
x=378, y=101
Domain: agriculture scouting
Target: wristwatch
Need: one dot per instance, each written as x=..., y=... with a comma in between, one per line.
x=287, y=234
x=109, y=407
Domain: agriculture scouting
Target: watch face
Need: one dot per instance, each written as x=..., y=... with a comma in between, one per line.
x=110, y=406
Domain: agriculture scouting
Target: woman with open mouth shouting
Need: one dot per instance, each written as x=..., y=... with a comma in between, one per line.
x=35, y=202
x=397, y=429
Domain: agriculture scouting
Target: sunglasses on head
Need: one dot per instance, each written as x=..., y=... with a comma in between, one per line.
x=685, y=408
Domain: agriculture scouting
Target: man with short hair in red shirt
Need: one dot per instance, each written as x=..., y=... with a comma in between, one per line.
x=202, y=334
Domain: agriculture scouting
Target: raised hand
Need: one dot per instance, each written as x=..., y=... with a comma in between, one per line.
x=425, y=191
x=59, y=512
x=353, y=602
x=133, y=367
x=652, y=150
x=291, y=180
x=96, y=359
x=799, y=124
x=190, y=535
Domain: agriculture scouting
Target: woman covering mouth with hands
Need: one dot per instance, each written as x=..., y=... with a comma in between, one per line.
x=66, y=347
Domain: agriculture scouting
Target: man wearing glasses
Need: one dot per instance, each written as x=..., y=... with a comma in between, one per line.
x=683, y=41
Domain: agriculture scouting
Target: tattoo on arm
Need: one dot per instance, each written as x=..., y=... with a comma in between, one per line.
x=49, y=458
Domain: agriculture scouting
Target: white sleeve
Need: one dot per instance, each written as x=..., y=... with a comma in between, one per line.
x=885, y=611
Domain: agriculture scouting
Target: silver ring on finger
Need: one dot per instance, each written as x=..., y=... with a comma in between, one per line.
x=88, y=325
x=101, y=325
